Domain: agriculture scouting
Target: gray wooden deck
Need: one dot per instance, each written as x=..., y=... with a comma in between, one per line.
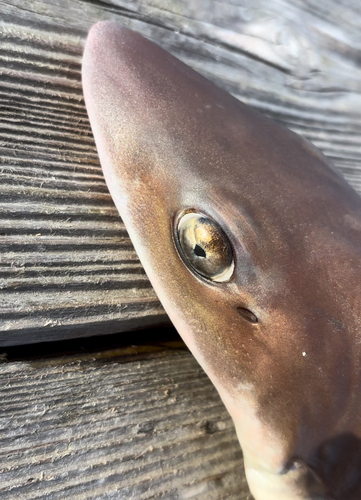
x=128, y=423
x=138, y=422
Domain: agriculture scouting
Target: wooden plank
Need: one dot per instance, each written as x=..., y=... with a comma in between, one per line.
x=67, y=267
x=134, y=423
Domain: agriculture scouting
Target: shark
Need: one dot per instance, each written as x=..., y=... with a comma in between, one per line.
x=252, y=241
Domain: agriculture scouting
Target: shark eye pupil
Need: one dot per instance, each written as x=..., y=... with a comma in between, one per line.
x=204, y=247
x=199, y=251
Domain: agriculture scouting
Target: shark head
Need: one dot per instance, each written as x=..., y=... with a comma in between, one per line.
x=252, y=241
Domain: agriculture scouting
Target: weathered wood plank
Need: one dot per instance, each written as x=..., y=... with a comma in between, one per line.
x=138, y=423
x=67, y=267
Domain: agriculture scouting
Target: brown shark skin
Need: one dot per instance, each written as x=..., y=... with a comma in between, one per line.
x=170, y=140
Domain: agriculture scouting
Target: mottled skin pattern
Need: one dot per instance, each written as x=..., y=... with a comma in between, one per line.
x=170, y=140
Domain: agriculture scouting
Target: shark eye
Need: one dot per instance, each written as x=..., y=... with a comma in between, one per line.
x=205, y=247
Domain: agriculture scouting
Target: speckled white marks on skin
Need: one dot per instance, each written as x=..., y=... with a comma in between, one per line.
x=245, y=386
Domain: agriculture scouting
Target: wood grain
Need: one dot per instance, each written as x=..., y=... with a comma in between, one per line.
x=138, y=423
x=67, y=267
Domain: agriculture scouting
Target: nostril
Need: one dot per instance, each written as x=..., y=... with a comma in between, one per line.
x=292, y=465
x=247, y=314
x=306, y=478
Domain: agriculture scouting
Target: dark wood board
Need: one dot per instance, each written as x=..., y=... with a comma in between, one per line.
x=67, y=267
x=135, y=423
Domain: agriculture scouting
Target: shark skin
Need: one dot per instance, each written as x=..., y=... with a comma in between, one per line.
x=280, y=337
